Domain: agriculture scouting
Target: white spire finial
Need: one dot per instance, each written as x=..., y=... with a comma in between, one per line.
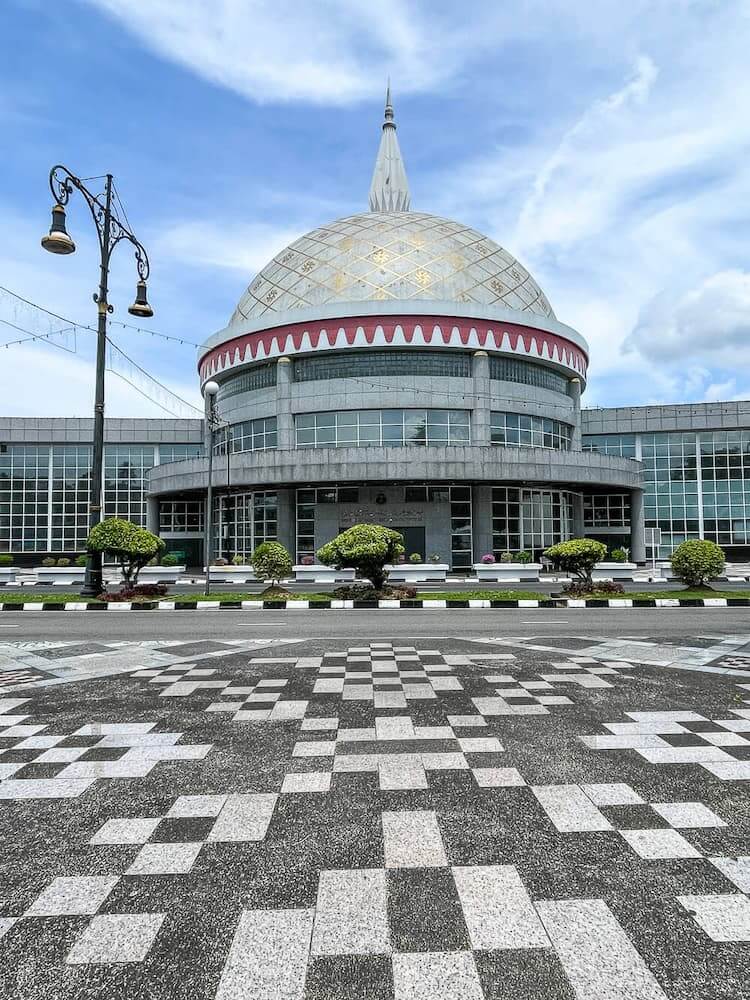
x=389, y=190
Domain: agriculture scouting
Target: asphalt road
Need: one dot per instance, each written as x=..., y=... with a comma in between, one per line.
x=214, y=624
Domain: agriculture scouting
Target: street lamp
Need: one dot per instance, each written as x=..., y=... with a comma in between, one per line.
x=212, y=422
x=110, y=230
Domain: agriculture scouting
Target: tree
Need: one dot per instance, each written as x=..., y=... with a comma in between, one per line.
x=698, y=561
x=578, y=557
x=366, y=548
x=271, y=562
x=130, y=544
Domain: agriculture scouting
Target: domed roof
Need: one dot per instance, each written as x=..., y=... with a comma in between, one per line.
x=391, y=256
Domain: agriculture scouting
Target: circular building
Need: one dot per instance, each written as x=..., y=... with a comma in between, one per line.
x=399, y=368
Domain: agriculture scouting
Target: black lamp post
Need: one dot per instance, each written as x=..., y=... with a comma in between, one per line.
x=110, y=230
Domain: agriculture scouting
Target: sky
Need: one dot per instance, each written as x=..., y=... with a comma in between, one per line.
x=605, y=145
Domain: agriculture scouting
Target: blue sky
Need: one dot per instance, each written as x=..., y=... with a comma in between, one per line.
x=605, y=145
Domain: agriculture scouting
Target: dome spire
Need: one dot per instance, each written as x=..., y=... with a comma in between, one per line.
x=389, y=190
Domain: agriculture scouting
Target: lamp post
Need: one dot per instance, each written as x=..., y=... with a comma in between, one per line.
x=212, y=422
x=111, y=230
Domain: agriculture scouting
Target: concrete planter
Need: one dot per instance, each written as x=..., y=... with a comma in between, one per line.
x=160, y=574
x=60, y=576
x=316, y=573
x=417, y=572
x=232, y=574
x=613, y=571
x=507, y=572
x=8, y=574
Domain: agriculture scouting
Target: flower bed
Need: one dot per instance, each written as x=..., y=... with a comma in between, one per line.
x=409, y=572
x=507, y=572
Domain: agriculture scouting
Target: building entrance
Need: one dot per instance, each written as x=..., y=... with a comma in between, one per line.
x=414, y=541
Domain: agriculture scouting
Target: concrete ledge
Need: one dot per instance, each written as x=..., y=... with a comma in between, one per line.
x=383, y=605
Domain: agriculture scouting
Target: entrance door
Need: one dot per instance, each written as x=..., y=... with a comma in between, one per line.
x=414, y=541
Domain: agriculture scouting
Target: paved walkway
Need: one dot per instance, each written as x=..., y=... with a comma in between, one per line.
x=462, y=819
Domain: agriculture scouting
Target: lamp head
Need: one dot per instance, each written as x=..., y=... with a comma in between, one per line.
x=141, y=307
x=57, y=240
x=210, y=388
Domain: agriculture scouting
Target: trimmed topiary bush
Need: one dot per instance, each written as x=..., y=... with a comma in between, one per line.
x=271, y=562
x=366, y=548
x=524, y=557
x=170, y=559
x=48, y=561
x=618, y=555
x=80, y=560
x=415, y=557
x=698, y=561
x=577, y=557
x=131, y=545
x=63, y=561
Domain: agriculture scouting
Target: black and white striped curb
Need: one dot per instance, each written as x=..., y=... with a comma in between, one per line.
x=384, y=605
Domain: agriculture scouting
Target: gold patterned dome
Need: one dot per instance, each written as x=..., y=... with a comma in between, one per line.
x=391, y=256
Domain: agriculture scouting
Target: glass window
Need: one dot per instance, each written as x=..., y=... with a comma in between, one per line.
x=371, y=363
x=258, y=377
x=527, y=373
x=392, y=428
x=249, y=435
x=526, y=431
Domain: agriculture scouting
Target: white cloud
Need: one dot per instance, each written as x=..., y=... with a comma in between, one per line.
x=204, y=243
x=709, y=323
x=330, y=51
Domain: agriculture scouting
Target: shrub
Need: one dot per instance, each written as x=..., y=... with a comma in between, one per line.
x=488, y=559
x=524, y=557
x=49, y=561
x=271, y=562
x=698, y=561
x=415, y=557
x=238, y=560
x=63, y=561
x=170, y=559
x=578, y=557
x=366, y=548
x=506, y=557
x=618, y=555
x=608, y=587
x=5, y=559
x=139, y=590
x=366, y=592
x=131, y=545
x=434, y=558
x=81, y=560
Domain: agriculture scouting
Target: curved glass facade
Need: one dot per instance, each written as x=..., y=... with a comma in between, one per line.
x=390, y=428
x=357, y=364
x=248, y=435
x=527, y=373
x=259, y=377
x=521, y=430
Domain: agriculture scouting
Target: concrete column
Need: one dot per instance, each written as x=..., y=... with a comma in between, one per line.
x=578, y=528
x=287, y=524
x=480, y=414
x=574, y=391
x=637, y=527
x=152, y=514
x=482, y=520
x=284, y=418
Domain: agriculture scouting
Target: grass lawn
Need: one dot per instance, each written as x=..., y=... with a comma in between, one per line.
x=685, y=595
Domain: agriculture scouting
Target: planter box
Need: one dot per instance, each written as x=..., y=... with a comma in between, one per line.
x=232, y=574
x=417, y=572
x=8, y=574
x=613, y=571
x=316, y=573
x=507, y=572
x=160, y=574
x=60, y=576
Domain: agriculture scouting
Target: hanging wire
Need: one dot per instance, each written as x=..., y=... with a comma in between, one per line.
x=111, y=366
x=41, y=336
x=85, y=326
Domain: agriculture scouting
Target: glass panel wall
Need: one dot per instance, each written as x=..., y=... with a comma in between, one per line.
x=606, y=510
x=249, y=435
x=242, y=521
x=181, y=516
x=259, y=377
x=367, y=363
x=526, y=520
x=527, y=373
x=521, y=430
x=391, y=428
x=24, y=498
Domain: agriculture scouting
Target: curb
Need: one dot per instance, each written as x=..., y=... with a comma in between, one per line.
x=384, y=605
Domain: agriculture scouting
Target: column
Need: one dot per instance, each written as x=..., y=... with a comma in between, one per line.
x=152, y=514
x=482, y=520
x=574, y=391
x=480, y=414
x=284, y=418
x=637, y=527
x=579, y=530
